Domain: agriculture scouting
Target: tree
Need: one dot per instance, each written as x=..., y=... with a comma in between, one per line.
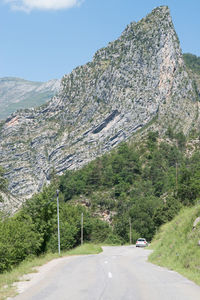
x=142, y=213
x=166, y=211
x=181, y=140
x=42, y=209
x=3, y=181
x=188, y=184
x=18, y=239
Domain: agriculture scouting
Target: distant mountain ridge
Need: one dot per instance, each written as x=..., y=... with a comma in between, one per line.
x=17, y=93
x=137, y=81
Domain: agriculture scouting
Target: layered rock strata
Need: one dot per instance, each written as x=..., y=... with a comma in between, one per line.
x=136, y=79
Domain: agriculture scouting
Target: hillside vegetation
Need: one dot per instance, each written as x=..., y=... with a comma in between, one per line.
x=193, y=62
x=176, y=244
x=33, y=230
x=146, y=183
x=142, y=185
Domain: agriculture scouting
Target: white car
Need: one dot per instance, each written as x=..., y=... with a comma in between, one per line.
x=141, y=243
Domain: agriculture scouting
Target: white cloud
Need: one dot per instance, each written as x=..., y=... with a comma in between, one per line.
x=28, y=5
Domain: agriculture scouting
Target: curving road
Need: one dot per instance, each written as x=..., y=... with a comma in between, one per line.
x=119, y=273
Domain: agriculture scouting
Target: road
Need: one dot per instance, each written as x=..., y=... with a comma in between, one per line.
x=119, y=273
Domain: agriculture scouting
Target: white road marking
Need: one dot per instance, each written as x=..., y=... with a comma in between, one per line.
x=109, y=275
x=106, y=262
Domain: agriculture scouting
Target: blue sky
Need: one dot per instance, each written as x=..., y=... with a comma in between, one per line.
x=45, y=39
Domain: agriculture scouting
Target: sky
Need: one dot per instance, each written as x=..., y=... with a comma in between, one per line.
x=45, y=39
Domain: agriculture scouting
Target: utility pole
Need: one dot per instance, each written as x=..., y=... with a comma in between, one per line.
x=57, y=191
x=130, y=232
x=82, y=229
x=176, y=177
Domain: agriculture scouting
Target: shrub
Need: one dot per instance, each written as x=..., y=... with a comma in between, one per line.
x=18, y=239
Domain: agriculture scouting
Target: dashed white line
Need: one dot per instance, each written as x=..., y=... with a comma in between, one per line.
x=106, y=262
x=109, y=275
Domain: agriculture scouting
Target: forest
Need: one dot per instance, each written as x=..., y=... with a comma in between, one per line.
x=142, y=184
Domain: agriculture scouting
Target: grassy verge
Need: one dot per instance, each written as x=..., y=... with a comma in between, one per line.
x=85, y=250
x=176, y=245
x=7, y=279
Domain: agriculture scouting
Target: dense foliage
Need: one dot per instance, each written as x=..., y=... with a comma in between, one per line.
x=33, y=230
x=145, y=184
x=18, y=239
x=139, y=186
x=193, y=62
x=3, y=183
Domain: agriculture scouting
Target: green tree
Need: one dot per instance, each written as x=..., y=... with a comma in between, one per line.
x=3, y=181
x=18, y=239
x=166, y=210
x=42, y=209
x=142, y=213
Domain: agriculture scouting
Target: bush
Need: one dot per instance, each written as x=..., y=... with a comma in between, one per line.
x=68, y=233
x=18, y=239
x=100, y=231
x=113, y=239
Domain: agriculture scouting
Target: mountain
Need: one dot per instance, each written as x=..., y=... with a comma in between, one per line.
x=16, y=93
x=138, y=81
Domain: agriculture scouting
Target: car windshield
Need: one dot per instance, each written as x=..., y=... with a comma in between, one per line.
x=141, y=240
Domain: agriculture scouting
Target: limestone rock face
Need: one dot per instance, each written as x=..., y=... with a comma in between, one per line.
x=134, y=79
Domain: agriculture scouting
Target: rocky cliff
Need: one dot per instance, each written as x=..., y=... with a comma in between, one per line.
x=17, y=93
x=138, y=79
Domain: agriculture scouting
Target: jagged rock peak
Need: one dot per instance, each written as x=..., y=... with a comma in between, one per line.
x=159, y=15
x=151, y=31
x=133, y=81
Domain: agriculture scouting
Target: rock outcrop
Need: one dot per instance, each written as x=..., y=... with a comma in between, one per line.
x=135, y=80
x=196, y=222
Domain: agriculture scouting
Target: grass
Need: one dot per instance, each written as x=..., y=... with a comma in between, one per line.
x=85, y=249
x=176, y=245
x=8, y=278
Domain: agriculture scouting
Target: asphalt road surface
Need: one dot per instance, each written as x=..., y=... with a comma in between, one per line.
x=119, y=273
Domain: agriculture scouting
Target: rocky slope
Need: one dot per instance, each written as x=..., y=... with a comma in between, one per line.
x=138, y=79
x=16, y=93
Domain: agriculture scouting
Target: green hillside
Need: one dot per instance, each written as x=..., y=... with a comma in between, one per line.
x=176, y=244
x=192, y=62
x=143, y=184
x=146, y=183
